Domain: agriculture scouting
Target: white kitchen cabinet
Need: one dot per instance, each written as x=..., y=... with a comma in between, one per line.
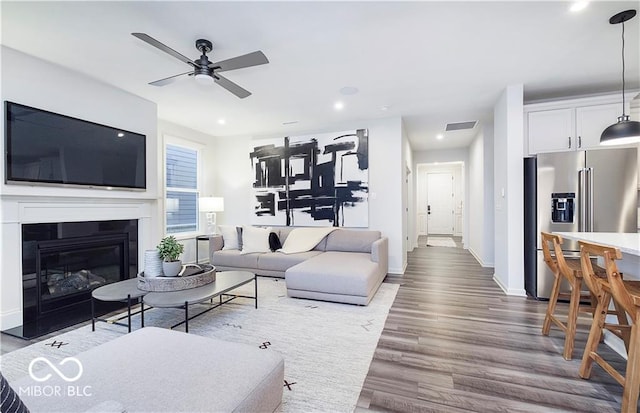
x=551, y=130
x=569, y=125
x=591, y=121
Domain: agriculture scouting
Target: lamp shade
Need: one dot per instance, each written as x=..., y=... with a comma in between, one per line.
x=624, y=132
x=211, y=204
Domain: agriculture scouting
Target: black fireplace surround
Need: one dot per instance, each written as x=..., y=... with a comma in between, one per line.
x=63, y=262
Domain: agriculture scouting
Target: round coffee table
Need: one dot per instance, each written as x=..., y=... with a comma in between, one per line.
x=126, y=290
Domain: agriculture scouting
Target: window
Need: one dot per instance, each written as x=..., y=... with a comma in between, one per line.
x=182, y=189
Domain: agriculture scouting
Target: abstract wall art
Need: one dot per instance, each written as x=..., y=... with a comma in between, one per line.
x=312, y=180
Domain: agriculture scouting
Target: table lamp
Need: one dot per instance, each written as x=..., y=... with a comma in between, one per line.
x=211, y=205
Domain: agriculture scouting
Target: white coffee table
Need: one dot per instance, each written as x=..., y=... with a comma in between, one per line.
x=126, y=290
x=225, y=282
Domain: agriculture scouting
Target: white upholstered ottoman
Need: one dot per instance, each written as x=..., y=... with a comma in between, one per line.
x=158, y=370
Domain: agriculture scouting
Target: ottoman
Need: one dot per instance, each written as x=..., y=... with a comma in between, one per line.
x=158, y=370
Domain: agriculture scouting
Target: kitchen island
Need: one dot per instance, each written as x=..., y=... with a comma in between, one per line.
x=629, y=265
x=628, y=243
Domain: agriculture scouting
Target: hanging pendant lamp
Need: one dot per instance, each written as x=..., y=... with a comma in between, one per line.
x=625, y=131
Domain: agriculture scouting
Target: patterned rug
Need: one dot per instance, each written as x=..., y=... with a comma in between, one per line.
x=327, y=347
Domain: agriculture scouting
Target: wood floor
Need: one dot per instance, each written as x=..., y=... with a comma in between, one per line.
x=454, y=342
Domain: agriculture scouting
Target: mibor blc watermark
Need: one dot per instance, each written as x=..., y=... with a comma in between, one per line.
x=47, y=390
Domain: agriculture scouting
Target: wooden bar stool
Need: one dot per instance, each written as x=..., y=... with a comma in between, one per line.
x=569, y=269
x=626, y=298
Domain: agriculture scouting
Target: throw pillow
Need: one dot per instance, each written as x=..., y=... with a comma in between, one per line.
x=229, y=236
x=274, y=242
x=255, y=240
x=239, y=229
x=9, y=400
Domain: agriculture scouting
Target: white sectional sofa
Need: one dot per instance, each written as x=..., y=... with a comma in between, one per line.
x=346, y=266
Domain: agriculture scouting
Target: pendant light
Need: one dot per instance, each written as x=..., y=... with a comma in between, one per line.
x=625, y=131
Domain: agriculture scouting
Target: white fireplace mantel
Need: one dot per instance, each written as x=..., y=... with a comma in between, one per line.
x=16, y=211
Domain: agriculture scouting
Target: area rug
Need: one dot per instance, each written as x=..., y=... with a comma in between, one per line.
x=327, y=347
x=441, y=242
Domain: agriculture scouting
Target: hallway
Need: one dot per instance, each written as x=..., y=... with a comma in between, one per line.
x=454, y=342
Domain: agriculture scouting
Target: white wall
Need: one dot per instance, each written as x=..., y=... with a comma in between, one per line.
x=30, y=81
x=443, y=156
x=480, y=190
x=411, y=224
x=386, y=174
x=508, y=190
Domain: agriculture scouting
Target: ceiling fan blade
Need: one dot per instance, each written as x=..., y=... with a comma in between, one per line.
x=169, y=79
x=231, y=87
x=153, y=42
x=247, y=60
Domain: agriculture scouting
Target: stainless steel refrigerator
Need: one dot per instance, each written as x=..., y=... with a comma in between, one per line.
x=583, y=191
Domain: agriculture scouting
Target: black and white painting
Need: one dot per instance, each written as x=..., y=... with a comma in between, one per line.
x=312, y=180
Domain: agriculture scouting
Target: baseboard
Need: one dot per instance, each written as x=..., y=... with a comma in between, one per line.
x=513, y=291
x=398, y=271
x=10, y=320
x=477, y=257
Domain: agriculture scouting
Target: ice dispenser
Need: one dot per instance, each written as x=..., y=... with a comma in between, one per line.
x=562, y=207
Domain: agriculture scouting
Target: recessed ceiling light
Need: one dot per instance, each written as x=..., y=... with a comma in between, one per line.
x=577, y=6
x=338, y=106
x=349, y=90
x=439, y=136
x=222, y=121
x=385, y=108
x=120, y=135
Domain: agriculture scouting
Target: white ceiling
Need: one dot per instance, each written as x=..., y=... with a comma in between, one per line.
x=431, y=63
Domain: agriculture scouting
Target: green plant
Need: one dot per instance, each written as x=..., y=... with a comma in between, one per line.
x=169, y=249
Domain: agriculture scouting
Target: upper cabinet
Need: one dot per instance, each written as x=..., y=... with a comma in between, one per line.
x=569, y=125
x=551, y=130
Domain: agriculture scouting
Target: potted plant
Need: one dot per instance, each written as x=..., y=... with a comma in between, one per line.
x=169, y=250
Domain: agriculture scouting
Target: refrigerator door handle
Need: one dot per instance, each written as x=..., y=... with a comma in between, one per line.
x=589, y=220
x=582, y=197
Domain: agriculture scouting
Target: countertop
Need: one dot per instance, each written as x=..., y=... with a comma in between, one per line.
x=628, y=243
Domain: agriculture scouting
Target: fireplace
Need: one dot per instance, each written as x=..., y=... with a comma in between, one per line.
x=63, y=262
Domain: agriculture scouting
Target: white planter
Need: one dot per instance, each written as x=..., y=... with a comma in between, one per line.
x=171, y=269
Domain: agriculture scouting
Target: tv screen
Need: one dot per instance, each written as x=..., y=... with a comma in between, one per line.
x=48, y=148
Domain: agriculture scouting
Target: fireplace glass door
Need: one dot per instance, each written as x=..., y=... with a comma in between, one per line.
x=69, y=269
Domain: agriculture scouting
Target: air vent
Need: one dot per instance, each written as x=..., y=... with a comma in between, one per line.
x=461, y=125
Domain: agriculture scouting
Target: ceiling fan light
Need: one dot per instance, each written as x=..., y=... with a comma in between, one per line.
x=625, y=132
x=203, y=78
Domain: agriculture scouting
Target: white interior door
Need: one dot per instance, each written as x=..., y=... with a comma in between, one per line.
x=440, y=208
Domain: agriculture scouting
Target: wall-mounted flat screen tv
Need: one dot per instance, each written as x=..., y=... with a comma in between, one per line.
x=42, y=147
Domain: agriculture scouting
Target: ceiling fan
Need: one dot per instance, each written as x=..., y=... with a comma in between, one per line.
x=204, y=70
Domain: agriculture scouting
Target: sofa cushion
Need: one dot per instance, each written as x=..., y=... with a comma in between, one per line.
x=235, y=258
x=277, y=261
x=229, y=237
x=335, y=272
x=351, y=240
x=255, y=239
